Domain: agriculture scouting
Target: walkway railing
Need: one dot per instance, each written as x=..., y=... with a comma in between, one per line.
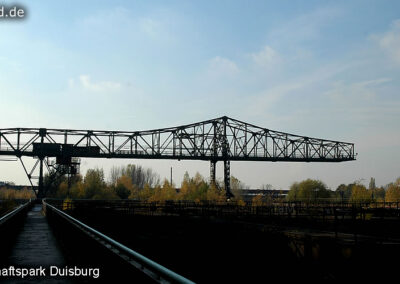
x=156, y=271
x=321, y=210
x=13, y=213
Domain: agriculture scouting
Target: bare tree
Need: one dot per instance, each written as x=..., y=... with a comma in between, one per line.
x=115, y=174
x=267, y=186
x=138, y=174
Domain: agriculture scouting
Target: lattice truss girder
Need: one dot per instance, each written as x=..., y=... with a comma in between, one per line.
x=218, y=139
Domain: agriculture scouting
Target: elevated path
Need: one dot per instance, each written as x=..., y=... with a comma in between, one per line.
x=36, y=246
x=49, y=246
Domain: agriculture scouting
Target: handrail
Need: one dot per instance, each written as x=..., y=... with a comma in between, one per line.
x=151, y=265
x=9, y=215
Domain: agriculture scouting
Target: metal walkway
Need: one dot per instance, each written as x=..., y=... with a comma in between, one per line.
x=56, y=248
x=36, y=246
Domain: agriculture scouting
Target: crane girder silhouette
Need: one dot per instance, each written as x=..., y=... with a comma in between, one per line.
x=221, y=139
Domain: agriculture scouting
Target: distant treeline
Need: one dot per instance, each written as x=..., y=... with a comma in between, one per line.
x=8, y=198
x=137, y=182
x=7, y=193
x=310, y=190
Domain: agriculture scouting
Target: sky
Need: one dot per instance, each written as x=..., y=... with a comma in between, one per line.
x=325, y=69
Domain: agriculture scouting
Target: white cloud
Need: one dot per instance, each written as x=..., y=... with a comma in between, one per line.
x=390, y=41
x=220, y=66
x=150, y=27
x=122, y=24
x=357, y=92
x=101, y=86
x=273, y=96
x=106, y=21
x=307, y=26
x=269, y=97
x=265, y=57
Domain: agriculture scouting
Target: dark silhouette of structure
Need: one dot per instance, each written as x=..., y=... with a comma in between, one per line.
x=222, y=139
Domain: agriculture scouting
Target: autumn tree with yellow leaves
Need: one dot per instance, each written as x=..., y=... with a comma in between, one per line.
x=359, y=193
x=393, y=192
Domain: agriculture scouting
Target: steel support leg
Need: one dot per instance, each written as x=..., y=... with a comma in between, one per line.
x=227, y=178
x=213, y=165
x=41, y=187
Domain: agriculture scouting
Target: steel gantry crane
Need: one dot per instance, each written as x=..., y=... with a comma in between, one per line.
x=222, y=139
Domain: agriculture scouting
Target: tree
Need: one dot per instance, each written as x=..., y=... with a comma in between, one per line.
x=344, y=191
x=94, y=182
x=393, y=192
x=77, y=189
x=7, y=193
x=52, y=182
x=359, y=193
x=156, y=194
x=198, y=189
x=308, y=190
x=267, y=187
x=214, y=194
x=146, y=193
x=372, y=185
x=62, y=191
x=257, y=200
x=105, y=194
x=168, y=192
x=236, y=188
x=115, y=174
x=378, y=194
x=140, y=176
x=185, y=187
x=293, y=193
x=124, y=187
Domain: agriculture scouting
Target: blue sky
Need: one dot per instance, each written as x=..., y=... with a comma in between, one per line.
x=327, y=69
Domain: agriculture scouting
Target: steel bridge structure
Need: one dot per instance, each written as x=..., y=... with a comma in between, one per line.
x=222, y=139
